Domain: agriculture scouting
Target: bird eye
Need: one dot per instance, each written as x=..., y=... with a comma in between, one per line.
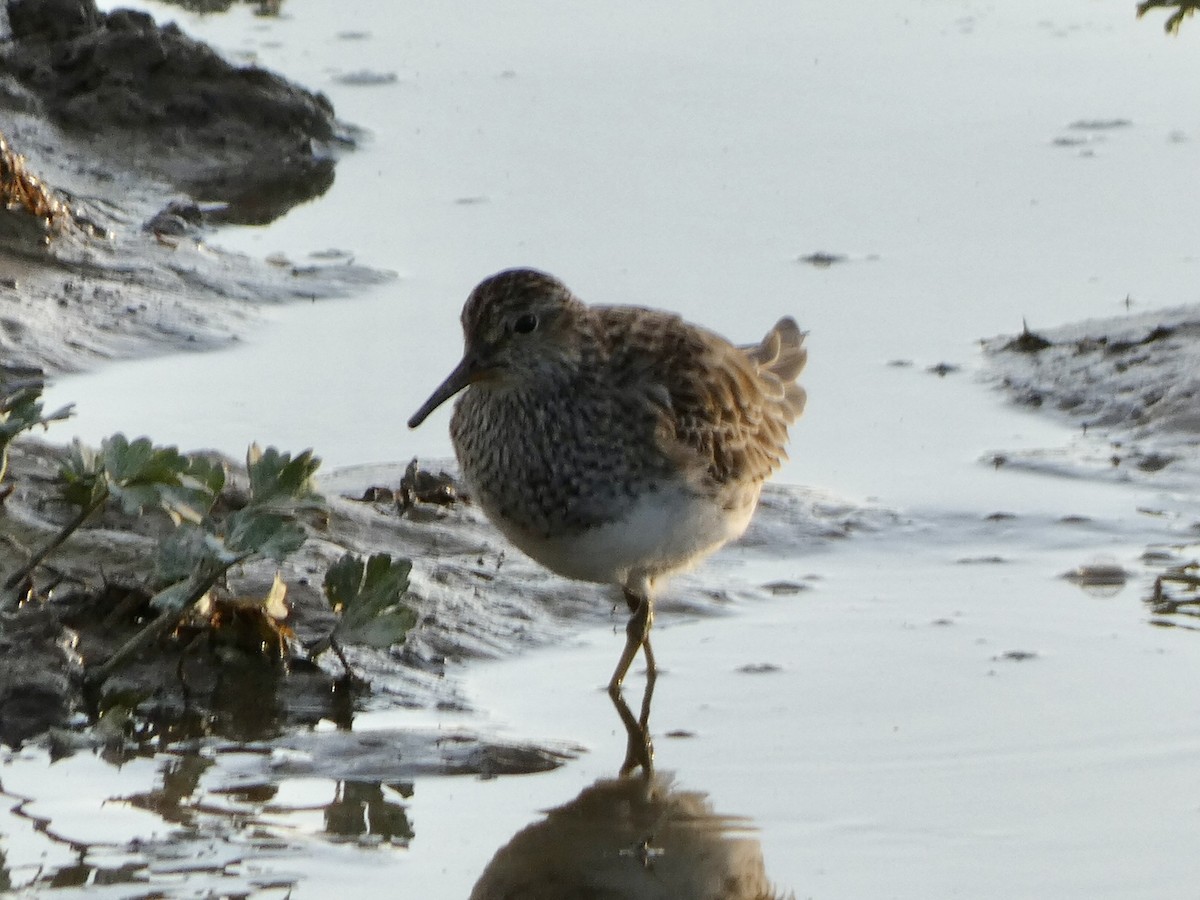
x=525, y=324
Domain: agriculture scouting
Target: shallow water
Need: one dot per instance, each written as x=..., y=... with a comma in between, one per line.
x=937, y=712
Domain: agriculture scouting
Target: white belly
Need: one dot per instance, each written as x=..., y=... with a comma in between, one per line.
x=661, y=533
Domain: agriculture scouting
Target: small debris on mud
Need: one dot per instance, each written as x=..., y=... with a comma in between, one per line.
x=177, y=218
x=417, y=486
x=1099, y=124
x=1177, y=588
x=759, y=668
x=784, y=588
x=1154, y=462
x=21, y=190
x=1015, y=656
x=1098, y=574
x=1027, y=342
x=942, y=369
x=420, y=486
x=822, y=260
x=366, y=78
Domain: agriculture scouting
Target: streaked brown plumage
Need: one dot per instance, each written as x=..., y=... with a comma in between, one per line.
x=614, y=443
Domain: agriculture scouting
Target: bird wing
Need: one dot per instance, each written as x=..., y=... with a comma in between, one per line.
x=720, y=412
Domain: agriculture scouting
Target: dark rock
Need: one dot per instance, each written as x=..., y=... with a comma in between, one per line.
x=171, y=106
x=52, y=20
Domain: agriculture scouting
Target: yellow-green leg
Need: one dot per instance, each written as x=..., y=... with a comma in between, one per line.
x=637, y=635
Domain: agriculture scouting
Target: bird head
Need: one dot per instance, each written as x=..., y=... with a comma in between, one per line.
x=518, y=326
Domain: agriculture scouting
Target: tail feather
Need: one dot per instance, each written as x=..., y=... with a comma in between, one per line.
x=782, y=354
x=795, y=398
x=788, y=361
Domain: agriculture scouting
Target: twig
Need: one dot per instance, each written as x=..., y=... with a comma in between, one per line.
x=161, y=626
x=34, y=561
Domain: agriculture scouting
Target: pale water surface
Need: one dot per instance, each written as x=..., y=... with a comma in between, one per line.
x=937, y=714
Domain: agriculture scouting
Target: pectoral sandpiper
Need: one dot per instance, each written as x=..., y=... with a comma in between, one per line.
x=614, y=444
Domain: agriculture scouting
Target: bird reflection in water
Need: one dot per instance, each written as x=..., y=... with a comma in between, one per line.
x=636, y=837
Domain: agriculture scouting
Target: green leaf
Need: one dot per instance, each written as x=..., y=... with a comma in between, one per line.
x=206, y=474
x=21, y=405
x=140, y=475
x=140, y=462
x=23, y=412
x=135, y=497
x=193, y=498
x=368, y=596
x=81, y=474
x=278, y=481
x=184, y=503
x=183, y=551
x=250, y=531
x=199, y=486
x=381, y=632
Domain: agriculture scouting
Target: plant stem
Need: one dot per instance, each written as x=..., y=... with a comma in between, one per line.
x=34, y=561
x=202, y=581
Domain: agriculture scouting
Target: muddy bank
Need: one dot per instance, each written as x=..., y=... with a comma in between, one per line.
x=133, y=94
x=1131, y=385
x=145, y=140
x=122, y=145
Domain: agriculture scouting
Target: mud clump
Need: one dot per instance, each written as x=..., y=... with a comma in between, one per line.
x=1027, y=342
x=150, y=96
x=35, y=676
x=1133, y=373
x=1130, y=384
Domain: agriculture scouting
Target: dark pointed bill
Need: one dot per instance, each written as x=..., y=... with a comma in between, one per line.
x=464, y=373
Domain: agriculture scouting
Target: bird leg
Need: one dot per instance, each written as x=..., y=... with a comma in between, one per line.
x=639, y=749
x=637, y=635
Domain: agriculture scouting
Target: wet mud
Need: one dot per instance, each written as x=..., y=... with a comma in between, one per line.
x=134, y=93
x=1131, y=385
x=141, y=141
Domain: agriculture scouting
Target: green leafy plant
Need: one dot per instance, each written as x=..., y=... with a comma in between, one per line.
x=197, y=554
x=208, y=539
x=21, y=408
x=368, y=596
x=137, y=475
